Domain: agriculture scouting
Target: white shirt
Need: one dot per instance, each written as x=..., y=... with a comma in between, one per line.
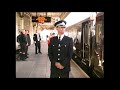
x=61, y=37
x=38, y=37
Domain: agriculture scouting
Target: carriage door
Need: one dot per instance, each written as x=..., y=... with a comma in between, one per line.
x=85, y=42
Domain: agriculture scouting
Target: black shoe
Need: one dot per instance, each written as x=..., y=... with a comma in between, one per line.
x=23, y=59
x=36, y=53
x=40, y=52
x=26, y=57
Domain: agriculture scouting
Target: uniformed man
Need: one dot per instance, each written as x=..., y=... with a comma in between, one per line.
x=37, y=39
x=21, y=39
x=28, y=41
x=60, y=52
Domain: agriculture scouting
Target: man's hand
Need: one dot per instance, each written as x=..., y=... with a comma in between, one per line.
x=58, y=65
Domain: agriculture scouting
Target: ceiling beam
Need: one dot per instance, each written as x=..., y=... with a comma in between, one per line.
x=64, y=15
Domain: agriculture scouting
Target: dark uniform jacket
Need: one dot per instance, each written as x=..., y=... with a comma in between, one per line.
x=28, y=40
x=23, y=41
x=35, y=37
x=60, y=52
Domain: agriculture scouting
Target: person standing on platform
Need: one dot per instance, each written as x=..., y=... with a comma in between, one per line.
x=49, y=37
x=21, y=39
x=37, y=39
x=28, y=41
x=60, y=52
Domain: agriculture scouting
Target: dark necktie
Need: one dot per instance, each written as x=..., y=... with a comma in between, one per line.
x=59, y=39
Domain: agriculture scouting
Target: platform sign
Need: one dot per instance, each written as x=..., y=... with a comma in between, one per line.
x=41, y=19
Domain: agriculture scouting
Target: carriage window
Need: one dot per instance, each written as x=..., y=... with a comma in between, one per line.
x=99, y=33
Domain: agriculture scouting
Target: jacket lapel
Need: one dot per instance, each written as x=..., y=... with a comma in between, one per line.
x=63, y=40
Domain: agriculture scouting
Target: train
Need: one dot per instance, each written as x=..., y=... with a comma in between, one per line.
x=88, y=36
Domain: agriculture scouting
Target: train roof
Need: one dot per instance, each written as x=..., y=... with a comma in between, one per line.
x=78, y=24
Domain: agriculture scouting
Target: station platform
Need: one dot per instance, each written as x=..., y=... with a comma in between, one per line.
x=38, y=65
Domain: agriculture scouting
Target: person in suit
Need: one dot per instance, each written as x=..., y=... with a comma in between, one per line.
x=60, y=52
x=28, y=41
x=21, y=39
x=37, y=39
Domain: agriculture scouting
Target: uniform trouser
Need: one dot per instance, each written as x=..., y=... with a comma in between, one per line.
x=22, y=51
x=59, y=74
x=26, y=52
x=37, y=47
